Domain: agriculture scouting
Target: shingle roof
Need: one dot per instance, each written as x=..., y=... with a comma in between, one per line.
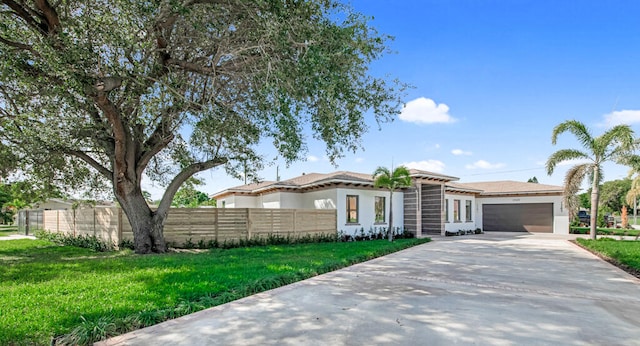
x=511, y=187
x=504, y=187
x=426, y=174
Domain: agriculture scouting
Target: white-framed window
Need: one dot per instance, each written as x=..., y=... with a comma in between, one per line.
x=446, y=210
x=456, y=210
x=379, y=209
x=467, y=210
x=352, y=209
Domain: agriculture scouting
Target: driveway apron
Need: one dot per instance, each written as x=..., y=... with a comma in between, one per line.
x=490, y=289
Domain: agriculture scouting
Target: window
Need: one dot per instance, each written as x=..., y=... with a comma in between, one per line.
x=352, y=209
x=467, y=210
x=446, y=210
x=456, y=210
x=379, y=209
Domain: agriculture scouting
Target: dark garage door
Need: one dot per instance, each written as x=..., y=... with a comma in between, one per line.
x=525, y=217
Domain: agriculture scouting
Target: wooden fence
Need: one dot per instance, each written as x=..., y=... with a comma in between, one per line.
x=183, y=224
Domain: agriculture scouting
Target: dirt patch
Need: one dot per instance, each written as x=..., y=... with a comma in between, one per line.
x=633, y=271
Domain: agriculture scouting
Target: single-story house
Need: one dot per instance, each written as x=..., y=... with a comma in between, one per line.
x=434, y=204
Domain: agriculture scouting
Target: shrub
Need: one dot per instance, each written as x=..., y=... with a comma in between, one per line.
x=85, y=241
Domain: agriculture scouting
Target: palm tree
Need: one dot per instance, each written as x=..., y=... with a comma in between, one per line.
x=399, y=178
x=616, y=144
x=634, y=192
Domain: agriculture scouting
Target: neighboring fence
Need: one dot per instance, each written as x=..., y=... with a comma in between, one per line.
x=29, y=221
x=182, y=224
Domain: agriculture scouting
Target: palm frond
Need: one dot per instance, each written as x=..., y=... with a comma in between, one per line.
x=564, y=155
x=399, y=178
x=572, y=182
x=575, y=177
x=579, y=129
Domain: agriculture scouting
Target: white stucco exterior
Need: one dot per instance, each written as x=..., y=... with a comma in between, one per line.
x=451, y=225
x=330, y=191
x=366, y=209
x=560, y=215
x=333, y=198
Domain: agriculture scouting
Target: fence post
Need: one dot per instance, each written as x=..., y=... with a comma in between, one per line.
x=295, y=222
x=119, y=225
x=26, y=222
x=215, y=223
x=94, y=221
x=75, y=226
x=249, y=223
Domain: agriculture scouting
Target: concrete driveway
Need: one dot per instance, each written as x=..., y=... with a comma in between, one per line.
x=491, y=289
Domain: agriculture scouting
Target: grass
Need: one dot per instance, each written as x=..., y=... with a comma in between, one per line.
x=6, y=230
x=606, y=231
x=625, y=252
x=48, y=290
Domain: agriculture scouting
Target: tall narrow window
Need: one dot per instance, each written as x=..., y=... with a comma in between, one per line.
x=379, y=209
x=352, y=209
x=456, y=210
x=446, y=210
x=467, y=210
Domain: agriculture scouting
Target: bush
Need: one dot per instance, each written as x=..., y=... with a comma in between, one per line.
x=85, y=241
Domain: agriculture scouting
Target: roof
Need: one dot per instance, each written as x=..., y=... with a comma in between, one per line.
x=416, y=173
x=460, y=187
x=508, y=187
x=310, y=180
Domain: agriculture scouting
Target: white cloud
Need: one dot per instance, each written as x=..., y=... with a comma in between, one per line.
x=460, y=152
x=427, y=165
x=482, y=164
x=359, y=159
x=312, y=158
x=426, y=111
x=626, y=117
x=437, y=146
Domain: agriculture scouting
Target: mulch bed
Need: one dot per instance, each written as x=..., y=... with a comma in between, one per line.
x=633, y=271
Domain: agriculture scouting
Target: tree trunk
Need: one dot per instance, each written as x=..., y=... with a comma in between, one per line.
x=147, y=225
x=635, y=208
x=594, y=202
x=390, y=215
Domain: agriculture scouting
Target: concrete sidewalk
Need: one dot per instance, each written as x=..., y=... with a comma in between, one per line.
x=491, y=289
x=17, y=236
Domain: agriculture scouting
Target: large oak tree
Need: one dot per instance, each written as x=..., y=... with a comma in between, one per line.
x=111, y=91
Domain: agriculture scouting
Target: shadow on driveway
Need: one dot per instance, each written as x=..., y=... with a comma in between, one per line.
x=493, y=289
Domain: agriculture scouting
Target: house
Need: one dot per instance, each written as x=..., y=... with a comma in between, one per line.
x=434, y=204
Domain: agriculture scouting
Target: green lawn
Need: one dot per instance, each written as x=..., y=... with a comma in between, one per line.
x=623, y=251
x=606, y=231
x=6, y=230
x=48, y=290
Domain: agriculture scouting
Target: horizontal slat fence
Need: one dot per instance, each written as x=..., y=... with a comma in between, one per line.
x=196, y=224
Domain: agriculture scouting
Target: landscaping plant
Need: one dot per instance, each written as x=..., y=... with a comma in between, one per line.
x=78, y=296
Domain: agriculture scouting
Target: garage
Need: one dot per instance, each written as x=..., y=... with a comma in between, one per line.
x=520, y=217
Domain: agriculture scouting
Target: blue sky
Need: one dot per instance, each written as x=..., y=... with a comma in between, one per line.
x=491, y=79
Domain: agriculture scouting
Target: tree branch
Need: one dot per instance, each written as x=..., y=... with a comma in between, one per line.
x=23, y=12
x=17, y=45
x=50, y=15
x=92, y=162
x=120, y=136
x=186, y=173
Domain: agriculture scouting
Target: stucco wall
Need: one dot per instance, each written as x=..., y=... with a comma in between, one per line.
x=453, y=226
x=366, y=210
x=271, y=200
x=322, y=199
x=292, y=200
x=560, y=216
x=238, y=202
